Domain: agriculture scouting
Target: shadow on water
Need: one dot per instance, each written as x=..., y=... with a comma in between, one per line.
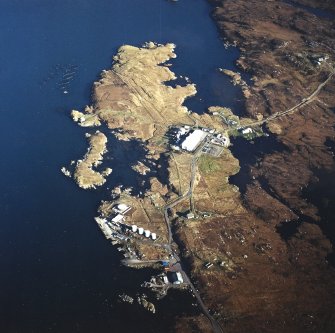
x=249, y=153
x=327, y=14
x=288, y=229
x=330, y=144
x=321, y=193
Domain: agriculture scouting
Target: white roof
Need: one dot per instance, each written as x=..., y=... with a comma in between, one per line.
x=147, y=232
x=179, y=277
x=122, y=207
x=182, y=131
x=117, y=218
x=247, y=130
x=193, y=140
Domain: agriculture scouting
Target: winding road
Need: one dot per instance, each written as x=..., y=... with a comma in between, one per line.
x=304, y=102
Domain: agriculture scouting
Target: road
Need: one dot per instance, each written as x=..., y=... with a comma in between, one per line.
x=176, y=259
x=177, y=262
x=304, y=102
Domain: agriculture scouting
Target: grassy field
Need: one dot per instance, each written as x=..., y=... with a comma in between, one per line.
x=208, y=164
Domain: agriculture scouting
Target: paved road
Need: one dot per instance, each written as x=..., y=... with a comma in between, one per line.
x=304, y=102
x=177, y=262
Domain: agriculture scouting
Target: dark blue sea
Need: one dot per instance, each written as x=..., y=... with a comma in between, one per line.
x=58, y=273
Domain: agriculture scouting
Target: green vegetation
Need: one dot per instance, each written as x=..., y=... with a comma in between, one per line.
x=208, y=164
x=233, y=132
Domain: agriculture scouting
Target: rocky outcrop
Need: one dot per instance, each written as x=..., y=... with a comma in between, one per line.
x=237, y=80
x=132, y=95
x=84, y=174
x=142, y=300
x=87, y=119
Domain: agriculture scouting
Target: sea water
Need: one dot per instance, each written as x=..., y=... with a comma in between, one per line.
x=58, y=273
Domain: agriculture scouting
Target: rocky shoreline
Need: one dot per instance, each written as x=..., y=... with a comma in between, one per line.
x=84, y=174
x=274, y=285
x=247, y=274
x=142, y=231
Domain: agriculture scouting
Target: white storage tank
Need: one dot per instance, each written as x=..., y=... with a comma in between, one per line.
x=153, y=236
x=140, y=231
x=134, y=228
x=147, y=233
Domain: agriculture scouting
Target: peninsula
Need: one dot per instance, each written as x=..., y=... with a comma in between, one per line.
x=191, y=222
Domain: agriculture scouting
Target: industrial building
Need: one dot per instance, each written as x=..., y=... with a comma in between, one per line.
x=177, y=278
x=121, y=209
x=193, y=140
x=118, y=218
x=147, y=233
x=104, y=227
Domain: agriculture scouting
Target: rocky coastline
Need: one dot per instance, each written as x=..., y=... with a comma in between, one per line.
x=225, y=244
x=84, y=174
x=272, y=284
